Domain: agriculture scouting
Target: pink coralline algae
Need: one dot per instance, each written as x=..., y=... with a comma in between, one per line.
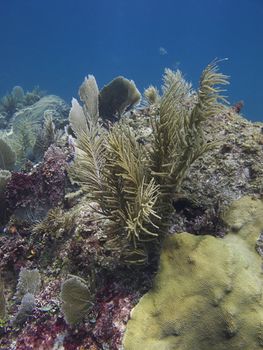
x=41, y=335
x=13, y=253
x=44, y=186
x=20, y=189
x=53, y=170
x=113, y=307
x=103, y=329
x=110, y=315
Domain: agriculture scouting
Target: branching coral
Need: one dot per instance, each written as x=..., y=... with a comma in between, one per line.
x=135, y=184
x=178, y=138
x=120, y=186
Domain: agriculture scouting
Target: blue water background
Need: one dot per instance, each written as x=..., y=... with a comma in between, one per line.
x=55, y=43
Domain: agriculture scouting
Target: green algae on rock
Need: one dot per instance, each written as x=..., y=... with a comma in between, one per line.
x=208, y=291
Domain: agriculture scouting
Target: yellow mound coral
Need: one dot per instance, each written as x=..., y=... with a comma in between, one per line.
x=208, y=292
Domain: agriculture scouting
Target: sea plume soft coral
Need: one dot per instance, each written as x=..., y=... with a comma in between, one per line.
x=133, y=184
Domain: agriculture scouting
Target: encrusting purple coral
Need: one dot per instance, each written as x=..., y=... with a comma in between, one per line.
x=13, y=253
x=53, y=170
x=43, y=186
x=103, y=328
x=23, y=189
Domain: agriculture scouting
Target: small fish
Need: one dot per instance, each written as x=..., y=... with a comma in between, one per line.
x=162, y=51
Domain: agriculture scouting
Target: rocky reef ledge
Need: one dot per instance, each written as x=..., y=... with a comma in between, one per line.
x=206, y=292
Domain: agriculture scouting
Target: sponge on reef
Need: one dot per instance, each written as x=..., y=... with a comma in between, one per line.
x=208, y=292
x=117, y=96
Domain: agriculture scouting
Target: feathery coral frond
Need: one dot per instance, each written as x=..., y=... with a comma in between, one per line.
x=138, y=196
x=90, y=149
x=77, y=118
x=89, y=163
x=178, y=138
x=89, y=95
x=210, y=100
x=173, y=77
x=151, y=95
x=134, y=184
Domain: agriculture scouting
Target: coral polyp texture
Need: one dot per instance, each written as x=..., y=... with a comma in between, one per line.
x=208, y=291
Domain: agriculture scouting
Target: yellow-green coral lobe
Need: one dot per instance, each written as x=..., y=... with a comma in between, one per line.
x=208, y=291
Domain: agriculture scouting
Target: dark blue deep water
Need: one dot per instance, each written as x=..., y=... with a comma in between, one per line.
x=55, y=43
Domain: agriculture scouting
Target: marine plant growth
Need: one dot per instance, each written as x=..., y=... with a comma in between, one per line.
x=116, y=97
x=135, y=183
x=28, y=285
x=77, y=295
x=18, y=99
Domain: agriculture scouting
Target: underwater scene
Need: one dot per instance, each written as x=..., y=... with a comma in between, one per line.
x=131, y=175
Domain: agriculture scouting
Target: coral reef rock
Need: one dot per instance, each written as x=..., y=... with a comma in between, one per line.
x=208, y=291
x=35, y=113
